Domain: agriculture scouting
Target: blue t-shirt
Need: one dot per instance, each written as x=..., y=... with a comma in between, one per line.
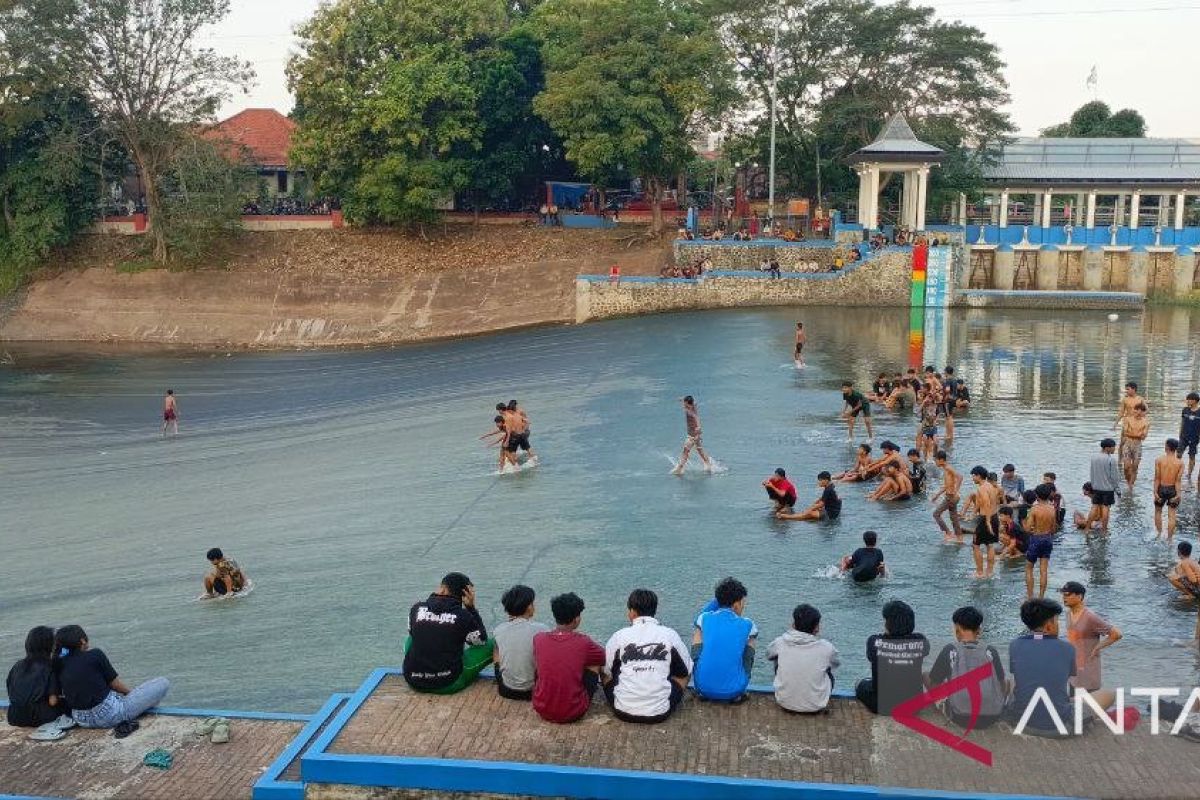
x=1047, y=662
x=720, y=672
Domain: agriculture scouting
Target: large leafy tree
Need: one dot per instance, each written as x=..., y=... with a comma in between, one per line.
x=843, y=66
x=628, y=85
x=1096, y=119
x=393, y=101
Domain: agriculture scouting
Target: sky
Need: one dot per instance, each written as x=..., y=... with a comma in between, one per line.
x=1138, y=48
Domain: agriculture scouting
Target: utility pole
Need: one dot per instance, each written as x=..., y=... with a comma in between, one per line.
x=774, y=95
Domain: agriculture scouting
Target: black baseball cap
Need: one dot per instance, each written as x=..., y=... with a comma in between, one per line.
x=1073, y=587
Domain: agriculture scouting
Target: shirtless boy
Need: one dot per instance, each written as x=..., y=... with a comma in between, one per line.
x=1128, y=401
x=858, y=472
x=1040, y=524
x=517, y=425
x=801, y=338
x=927, y=436
x=1168, y=487
x=951, y=482
x=895, y=486
x=1185, y=576
x=1134, y=428
x=856, y=404
x=987, y=526
x=170, y=414
x=500, y=438
x=694, y=437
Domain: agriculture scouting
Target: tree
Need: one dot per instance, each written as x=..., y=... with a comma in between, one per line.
x=202, y=192
x=139, y=64
x=628, y=84
x=1096, y=120
x=387, y=101
x=844, y=66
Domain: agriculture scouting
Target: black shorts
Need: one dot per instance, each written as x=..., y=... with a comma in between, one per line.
x=864, y=409
x=985, y=537
x=518, y=441
x=1103, y=498
x=788, y=499
x=1189, y=446
x=930, y=432
x=799, y=347
x=1166, y=496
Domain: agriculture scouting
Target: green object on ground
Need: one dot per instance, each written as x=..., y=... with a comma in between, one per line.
x=475, y=658
x=159, y=759
x=220, y=733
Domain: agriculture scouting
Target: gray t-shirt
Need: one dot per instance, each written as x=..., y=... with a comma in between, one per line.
x=804, y=667
x=514, y=639
x=1104, y=472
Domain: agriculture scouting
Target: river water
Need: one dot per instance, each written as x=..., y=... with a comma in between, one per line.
x=346, y=483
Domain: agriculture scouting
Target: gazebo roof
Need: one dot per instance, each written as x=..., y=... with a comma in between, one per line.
x=897, y=142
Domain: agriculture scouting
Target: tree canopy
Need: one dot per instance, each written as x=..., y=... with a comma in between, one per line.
x=1097, y=120
x=628, y=84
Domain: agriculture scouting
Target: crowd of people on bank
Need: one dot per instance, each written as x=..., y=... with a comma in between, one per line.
x=645, y=670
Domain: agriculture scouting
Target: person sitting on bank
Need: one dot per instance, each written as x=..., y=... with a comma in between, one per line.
x=568, y=664
x=723, y=645
x=804, y=664
x=94, y=692
x=647, y=664
x=439, y=628
x=32, y=685
x=513, y=652
x=226, y=578
x=968, y=653
x=1039, y=660
x=896, y=656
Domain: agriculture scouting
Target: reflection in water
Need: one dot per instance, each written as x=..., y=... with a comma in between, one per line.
x=346, y=483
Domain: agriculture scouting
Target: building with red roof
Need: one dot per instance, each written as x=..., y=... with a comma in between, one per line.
x=262, y=137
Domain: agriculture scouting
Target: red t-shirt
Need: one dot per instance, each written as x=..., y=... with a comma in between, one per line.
x=561, y=656
x=783, y=486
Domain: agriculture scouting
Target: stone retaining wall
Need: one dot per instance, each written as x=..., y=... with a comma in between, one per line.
x=882, y=281
x=792, y=257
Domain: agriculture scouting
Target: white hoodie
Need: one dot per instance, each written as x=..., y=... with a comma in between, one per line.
x=804, y=667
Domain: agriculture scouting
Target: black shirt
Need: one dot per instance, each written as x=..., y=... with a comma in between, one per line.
x=440, y=627
x=896, y=668
x=1189, y=425
x=29, y=688
x=864, y=564
x=831, y=502
x=916, y=474
x=85, y=677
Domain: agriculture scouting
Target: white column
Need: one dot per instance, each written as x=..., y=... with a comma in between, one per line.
x=873, y=200
x=1090, y=219
x=1037, y=209
x=1135, y=202
x=922, y=192
x=1047, y=204
x=962, y=208
x=1077, y=210
x=1164, y=204
x=1180, y=202
x=1004, y=209
x=907, y=206
x=862, y=194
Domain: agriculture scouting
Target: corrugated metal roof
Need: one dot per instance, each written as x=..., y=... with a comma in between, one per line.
x=1098, y=160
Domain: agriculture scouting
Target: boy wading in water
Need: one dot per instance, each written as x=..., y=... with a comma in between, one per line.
x=1040, y=524
x=856, y=404
x=951, y=482
x=1168, y=487
x=694, y=437
x=987, y=525
x=170, y=414
x=1134, y=429
x=800, y=340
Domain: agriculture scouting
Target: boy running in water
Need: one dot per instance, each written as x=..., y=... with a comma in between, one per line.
x=951, y=482
x=1134, y=429
x=856, y=404
x=1040, y=524
x=694, y=437
x=800, y=340
x=987, y=525
x=1168, y=487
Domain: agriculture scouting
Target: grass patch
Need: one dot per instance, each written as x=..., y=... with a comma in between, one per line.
x=135, y=265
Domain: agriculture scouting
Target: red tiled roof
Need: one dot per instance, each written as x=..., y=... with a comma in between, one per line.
x=264, y=133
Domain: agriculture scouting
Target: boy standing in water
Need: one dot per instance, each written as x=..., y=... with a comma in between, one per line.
x=694, y=437
x=951, y=481
x=1168, y=487
x=986, y=526
x=800, y=340
x=856, y=404
x=1134, y=429
x=170, y=414
x=1189, y=431
x=1040, y=524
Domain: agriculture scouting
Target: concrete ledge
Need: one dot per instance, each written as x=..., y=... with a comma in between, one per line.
x=1004, y=298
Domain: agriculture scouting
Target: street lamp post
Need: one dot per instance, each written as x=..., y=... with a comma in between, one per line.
x=771, y=167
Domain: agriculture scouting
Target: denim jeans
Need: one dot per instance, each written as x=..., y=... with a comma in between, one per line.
x=118, y=708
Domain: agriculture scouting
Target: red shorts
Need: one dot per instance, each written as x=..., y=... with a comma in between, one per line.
x=168, y=415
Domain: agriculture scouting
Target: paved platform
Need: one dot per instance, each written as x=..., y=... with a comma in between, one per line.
x=92, y=765
x=758, y=741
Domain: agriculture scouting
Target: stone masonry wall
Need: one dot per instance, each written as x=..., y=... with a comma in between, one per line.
x=881, y=281
x=791, y=257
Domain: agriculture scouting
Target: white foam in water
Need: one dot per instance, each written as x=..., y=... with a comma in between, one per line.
x=831, y=572
x=247, y=589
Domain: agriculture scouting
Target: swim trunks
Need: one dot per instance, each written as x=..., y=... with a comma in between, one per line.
x=930, y=432
x=799, y=347
x=1103, y=498
x=983, y=536
x=1190, y=587
x=1189, y=446
x=1131, y=450
x=1040, y=546
x=900, y=497
x=1166, y=497
x=518, y=441
x=692, y=441
x=169, y=415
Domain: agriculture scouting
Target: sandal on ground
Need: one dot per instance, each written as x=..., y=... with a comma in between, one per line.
x=64, y=722
x=47, y=733
x=205, y=728
x=220, y=733
x=123, y=729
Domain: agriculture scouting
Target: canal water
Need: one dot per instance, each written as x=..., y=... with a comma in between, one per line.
x=346, y=483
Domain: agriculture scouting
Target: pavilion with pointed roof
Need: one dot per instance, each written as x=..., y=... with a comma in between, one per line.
x=896, y=150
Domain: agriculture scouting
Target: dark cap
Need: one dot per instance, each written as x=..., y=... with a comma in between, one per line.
x=1073, y=587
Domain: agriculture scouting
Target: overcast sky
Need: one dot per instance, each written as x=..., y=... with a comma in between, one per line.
x=1139, y=48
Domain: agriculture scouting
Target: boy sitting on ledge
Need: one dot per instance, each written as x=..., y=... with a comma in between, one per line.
x=439, y=629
